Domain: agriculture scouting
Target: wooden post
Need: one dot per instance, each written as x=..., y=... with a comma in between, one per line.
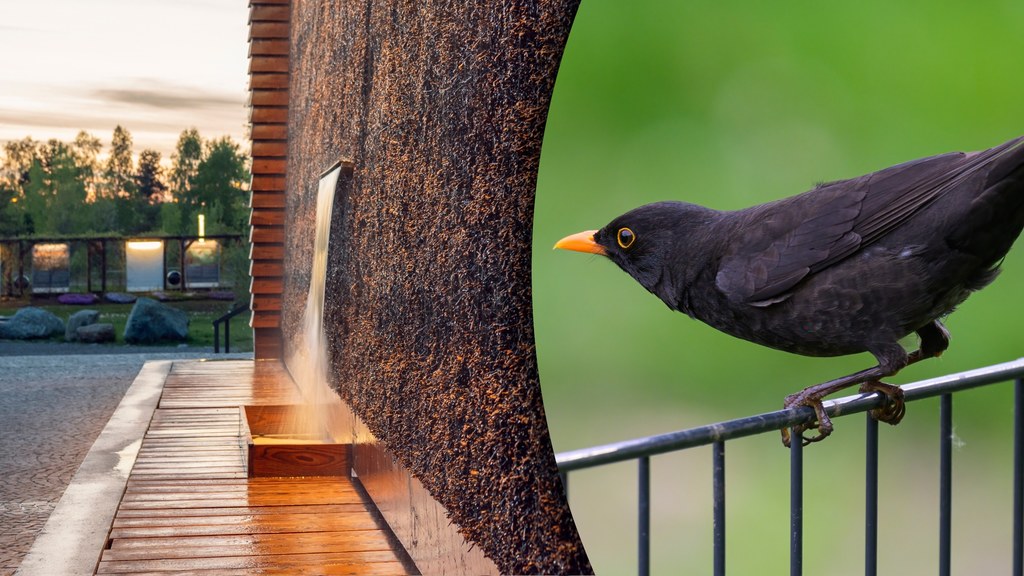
x=268, y=117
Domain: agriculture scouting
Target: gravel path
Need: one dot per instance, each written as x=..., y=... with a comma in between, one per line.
x=54, y=401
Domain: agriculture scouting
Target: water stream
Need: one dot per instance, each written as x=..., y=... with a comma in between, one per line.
x=308, y=362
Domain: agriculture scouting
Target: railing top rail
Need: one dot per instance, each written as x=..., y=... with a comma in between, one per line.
x=751, y=425
x=232, y=313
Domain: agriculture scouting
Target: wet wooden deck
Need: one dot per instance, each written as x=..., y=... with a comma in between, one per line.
x=189, y=508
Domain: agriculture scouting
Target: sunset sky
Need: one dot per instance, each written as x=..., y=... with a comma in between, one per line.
x=155, y=67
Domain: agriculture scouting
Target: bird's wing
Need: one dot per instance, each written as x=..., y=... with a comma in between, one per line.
x=787, y=240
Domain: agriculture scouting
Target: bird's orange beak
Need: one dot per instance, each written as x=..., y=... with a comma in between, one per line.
x=581, y=242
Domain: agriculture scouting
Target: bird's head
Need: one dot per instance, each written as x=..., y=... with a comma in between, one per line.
x=655, y=244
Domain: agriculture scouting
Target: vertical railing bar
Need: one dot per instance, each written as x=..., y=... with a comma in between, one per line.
x=565, y=484
x=945, y=482
x=871, y=497
x=718, y=483
x=644, y=516
x=796, y=502
x=1018, y=477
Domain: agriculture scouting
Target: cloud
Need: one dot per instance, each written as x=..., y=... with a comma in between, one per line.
x=154, y=112
x=162, y=96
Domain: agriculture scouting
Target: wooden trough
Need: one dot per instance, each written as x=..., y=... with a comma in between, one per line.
x=271, y=447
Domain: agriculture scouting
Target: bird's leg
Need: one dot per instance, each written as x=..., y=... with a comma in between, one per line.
x=813, y=395
x=934, y=341
x=891, y=359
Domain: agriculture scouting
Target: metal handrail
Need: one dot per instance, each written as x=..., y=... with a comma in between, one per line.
x=774, y=421
x=642, y=449
x=226, y=320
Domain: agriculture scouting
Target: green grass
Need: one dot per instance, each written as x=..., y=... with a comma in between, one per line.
x=201, y=314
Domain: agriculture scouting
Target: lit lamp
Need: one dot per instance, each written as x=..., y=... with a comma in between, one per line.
x=202, y=228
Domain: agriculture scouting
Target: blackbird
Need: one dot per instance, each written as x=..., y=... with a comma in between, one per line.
x=849, y=266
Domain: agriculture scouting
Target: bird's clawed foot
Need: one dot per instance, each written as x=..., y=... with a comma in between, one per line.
x=823, y=423
x=894, y=409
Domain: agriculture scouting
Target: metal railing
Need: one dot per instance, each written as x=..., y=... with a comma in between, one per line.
x=226, y=321
x=642, y=449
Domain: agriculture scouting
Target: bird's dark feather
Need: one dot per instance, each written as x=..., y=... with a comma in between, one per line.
x=812, y=231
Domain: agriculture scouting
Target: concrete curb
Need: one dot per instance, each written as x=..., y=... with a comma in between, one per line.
x=76, y=533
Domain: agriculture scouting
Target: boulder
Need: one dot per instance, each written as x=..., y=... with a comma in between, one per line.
x=29, y=323
x=119, y=297
x=95, y=333
x=79, y=319
x=150, y=322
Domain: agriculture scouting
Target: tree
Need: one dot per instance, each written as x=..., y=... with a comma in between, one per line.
x=185, y=162
x=149, y=177
x=149, y=191
x=119, y=173
x=219, y=187
x=86, y=149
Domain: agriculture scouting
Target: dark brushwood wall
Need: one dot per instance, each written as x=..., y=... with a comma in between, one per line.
x=441, y=107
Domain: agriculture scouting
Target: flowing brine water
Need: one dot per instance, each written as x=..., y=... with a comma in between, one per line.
x=308, y=362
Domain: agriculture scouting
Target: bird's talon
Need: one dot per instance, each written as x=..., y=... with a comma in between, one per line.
x=822, y=423
x=895, y=407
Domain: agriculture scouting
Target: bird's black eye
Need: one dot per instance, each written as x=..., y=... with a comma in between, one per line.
x=625, y=238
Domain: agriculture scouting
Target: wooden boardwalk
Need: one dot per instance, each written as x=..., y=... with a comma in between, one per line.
x=189, y=508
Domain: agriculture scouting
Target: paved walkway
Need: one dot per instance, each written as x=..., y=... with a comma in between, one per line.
x=53, y=404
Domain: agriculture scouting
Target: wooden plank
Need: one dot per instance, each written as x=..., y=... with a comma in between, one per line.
x=274, y=166
x=267, y=200
x=264, y=286
x=265, y=47
x=268, y=13
x=266, y=268
x=270, y=132
x=266, y=251
x=269, y=63
x=354, y=560
x=265, y=320
x=268, y=81
x=267, y=235
x=240, y=544
x=269, y=30
x=269, y=98
x=271, y=148
x=266, y=217
x=187, y=506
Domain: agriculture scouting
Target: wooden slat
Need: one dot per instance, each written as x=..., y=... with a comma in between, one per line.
x=268, y=13
x=268, y=64
x=270, y=148
x=189, y=508
x=266, y=217
x=266, y=251
x=268, y=80
x=269, y=166
x=268, y=319
x=269, y=98
x=266, y=268
x=270, y=132
x=267, y=234
x=269, y=30
x=260, y=47
x=266, y=285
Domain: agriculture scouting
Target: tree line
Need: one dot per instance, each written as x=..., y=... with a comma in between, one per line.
x=57, y=188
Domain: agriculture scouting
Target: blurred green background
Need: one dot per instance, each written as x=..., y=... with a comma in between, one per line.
x=735, y=103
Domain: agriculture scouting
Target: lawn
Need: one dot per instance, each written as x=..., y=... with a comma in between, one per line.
x=201, y=313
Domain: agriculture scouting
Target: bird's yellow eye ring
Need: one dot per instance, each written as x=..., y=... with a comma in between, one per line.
x=625, y=238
